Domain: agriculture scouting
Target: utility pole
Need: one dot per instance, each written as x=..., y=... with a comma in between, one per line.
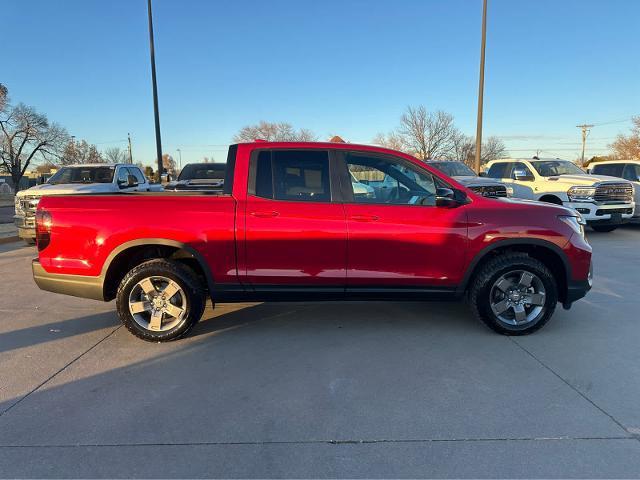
x=130, y=154
x=481, y=87
x=586, y=128
x=155, y=92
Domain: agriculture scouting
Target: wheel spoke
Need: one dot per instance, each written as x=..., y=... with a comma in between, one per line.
x=535, y=299
x=138, y=307
x=520, y=313
x=504, y=284
x=147, y=287
x=170, y=290
x=173, y=310
x=501, y=307
x=155, y=323
x=525, y=280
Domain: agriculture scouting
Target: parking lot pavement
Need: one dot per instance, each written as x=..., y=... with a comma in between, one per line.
x=322, y=389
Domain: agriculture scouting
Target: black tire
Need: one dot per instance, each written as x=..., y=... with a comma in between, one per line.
x=604, y=228
x=484, y=282
x=181, y=275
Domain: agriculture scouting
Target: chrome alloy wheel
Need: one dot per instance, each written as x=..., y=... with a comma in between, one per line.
x=157, y=303
x=517, y=297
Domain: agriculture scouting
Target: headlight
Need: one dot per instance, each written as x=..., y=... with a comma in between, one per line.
x=581, y=193
x=576, y=223
x=509, y=191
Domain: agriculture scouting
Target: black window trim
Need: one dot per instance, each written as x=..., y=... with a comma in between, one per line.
x=251, y=177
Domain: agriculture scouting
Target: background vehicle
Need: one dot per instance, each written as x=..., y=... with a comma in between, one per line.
x=289, y=226
x=77, y=179
x=200, y=176
x=486, y=187
x=604, y=202
x=627, y=169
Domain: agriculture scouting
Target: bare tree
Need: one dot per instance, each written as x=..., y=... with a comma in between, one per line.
x=115, y=155
x=274, y=132
x=428, y=134
x=168, y=163
x=27, y=136
x=492, y=149
x=4, y=93
x=390, y=140
x=463, y=148
x=628, y=146
x=80, y=152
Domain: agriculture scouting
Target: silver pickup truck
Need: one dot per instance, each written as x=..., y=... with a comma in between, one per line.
x=78, y=179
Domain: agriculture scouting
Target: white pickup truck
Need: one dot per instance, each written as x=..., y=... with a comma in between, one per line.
x=78, y=179
x=604, y=202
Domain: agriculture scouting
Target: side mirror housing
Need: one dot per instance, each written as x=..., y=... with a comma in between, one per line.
x=522, y=175
x=482, y=174
x=447, y=197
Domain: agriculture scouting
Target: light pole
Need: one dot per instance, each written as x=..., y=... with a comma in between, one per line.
x=481, y=87
x=155, y=92
x=180, y=157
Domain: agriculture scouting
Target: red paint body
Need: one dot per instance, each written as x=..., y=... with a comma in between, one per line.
x=250, y=241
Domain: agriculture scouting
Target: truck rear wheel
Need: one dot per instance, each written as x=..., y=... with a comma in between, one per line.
x=514, y=294
x=160, y=300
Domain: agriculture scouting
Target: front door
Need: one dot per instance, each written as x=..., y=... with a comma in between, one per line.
x=398, y=237
x=296, y=236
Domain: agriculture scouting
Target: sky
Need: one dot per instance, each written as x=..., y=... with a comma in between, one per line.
x=336, y=67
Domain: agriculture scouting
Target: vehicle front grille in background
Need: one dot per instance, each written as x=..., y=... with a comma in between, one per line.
x=28, y=205
x=491, y=191
x=614, y=192
x=610, y=211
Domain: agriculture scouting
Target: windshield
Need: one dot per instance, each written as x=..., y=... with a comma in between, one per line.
x=453, y=169
x=82, y=175
x=203, y=171
x=551, y=168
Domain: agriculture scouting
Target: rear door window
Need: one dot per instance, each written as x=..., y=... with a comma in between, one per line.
x=297, y=175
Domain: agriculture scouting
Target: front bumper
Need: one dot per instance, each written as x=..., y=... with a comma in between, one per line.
x=603, y=214
x=26, y=227
x=75, y=285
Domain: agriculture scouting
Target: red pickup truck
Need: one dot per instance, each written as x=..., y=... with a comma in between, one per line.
x=313, y=221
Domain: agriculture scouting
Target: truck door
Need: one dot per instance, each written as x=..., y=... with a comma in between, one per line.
x=398, y=237
x=295, y=234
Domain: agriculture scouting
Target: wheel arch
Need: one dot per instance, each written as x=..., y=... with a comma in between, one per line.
x=551, y=198
x=546, y=252
x=129, y=254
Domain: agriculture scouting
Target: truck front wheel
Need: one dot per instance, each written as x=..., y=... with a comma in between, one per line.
x=160, y=300
x=604, y=228
x=514, y=294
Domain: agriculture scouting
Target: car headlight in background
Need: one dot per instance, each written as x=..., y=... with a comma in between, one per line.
x=509, y=191
x=576, y=223
x=581, y=193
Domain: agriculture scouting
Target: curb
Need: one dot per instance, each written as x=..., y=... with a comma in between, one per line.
x=4, y=240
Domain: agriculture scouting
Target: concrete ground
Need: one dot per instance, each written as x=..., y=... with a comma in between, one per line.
x=322, y=390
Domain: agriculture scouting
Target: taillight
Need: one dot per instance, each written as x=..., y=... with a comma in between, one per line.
x=43, y=229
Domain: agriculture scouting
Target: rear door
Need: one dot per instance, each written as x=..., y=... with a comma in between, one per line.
x=296, y=234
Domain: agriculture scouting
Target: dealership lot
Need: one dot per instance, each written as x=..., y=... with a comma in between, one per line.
x=323, y=390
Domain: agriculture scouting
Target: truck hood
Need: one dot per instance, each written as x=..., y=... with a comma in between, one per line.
x=583, y=179
x=551, y=207
x=468, y=180
x=66, y=188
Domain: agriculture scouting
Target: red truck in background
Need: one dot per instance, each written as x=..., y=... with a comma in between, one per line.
x=313, y=221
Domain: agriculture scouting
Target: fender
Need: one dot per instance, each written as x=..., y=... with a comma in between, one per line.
x=159, y=241
x=507, y=243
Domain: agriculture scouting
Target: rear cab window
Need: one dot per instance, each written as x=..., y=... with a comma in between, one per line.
x=611, y=170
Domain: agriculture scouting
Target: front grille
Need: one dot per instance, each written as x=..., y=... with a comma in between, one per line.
x=29, y=205
x=607, y=211
x=614, y=192
x=490, y=191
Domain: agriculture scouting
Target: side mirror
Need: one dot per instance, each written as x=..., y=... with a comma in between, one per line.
x=482, y=174
x=522, y=175
x=446, y=197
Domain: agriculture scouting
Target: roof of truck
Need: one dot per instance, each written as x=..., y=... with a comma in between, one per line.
x=83, y=165
x=613, y=162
